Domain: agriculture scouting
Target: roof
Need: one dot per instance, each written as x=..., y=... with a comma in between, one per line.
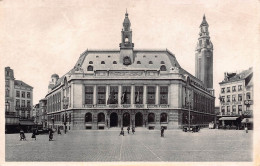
x=243, y=75
x=148, y=59
x=21, y=83
x=55, y=75
x=204, y=22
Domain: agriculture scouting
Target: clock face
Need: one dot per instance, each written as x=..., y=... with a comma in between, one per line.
x=127, y=60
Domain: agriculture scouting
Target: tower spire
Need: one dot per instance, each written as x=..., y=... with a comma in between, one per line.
x=204, y=55
x=126, y=45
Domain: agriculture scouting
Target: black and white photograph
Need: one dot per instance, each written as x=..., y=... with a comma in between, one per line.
x=129, y=82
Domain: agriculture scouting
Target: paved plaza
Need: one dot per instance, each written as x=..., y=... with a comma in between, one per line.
x=144, y=145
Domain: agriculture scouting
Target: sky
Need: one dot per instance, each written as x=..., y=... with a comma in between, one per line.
x=40, y=38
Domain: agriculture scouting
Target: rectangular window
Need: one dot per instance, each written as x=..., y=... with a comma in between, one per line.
x=228, y=98
x=23, y=94
x=228, y=109
x=239, y=97
x=139, y=94
x=240, y=109
x=239, y=87
x=7, y=83
x=7, y=93
x=113, y=96
x=223, y=98
x=233, y=97
x=28, y=94
x=234, y=109
x=248, y=96
x=233, y=88
x=28, y=103
x=151, y=95
x=23, y=103
x=126, y=95
x=101, y=95
x=223, y=109
x=222, y=90
x=89, y=94
x=163, y=94
x=228, y=89
x=17, y=103
x=17, y=93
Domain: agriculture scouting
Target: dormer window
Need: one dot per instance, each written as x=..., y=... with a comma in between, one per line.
x=90, y=62
x=162, y=62
x=102, y=62
x=108, y=56
x=126, y=40
x=144, y=56
x=90, y=68
x=138, y=62
x=114, y=62
x=155, y=56
x=163, y=68
x=150, y=62
x=97, y=56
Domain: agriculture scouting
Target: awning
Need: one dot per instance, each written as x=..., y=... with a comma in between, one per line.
x=27, y=123
x=228, y=118
x=250, y=120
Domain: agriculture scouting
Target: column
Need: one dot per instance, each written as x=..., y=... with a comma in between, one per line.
x=119, y=94
x=157, y=95
x=145, y=95
x=95, y=95
x=132, y=95
x=107, y=92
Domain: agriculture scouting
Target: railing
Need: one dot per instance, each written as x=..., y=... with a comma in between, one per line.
x=125, y=106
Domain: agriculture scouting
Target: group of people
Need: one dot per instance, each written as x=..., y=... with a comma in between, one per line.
x=34, y=133
x=128, y=129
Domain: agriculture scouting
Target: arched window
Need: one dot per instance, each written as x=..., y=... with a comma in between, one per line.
x=138, y=62
x=162, y=62
x=90, y=62
x=163, y=117
x=114, y=62
x=101, y=117
x=63, y=118
x=102, y=62
x=90, y=68
x=70, y=117
x=150, y=62
x=151, y=118
x=163, y=68
x=88, y=117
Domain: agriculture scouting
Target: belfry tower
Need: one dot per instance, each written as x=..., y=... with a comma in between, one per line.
x=126, y=45
x=204, y=56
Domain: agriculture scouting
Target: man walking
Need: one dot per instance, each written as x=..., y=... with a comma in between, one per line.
x=122, y=132
x=133, y=130
x=128, y=128
x=162, y=132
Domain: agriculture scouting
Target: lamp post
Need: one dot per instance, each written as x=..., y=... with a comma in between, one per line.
x=52, y=118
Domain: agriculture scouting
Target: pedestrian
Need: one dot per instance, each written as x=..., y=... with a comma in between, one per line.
x=162, y=132
x=122, y=132
x=34, y=134
x=59, y=130
x=133, y=130
x=50, y=135
x=22, y=135
x=128, y=128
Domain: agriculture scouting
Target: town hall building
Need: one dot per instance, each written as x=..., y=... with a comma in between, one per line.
x=129, y=87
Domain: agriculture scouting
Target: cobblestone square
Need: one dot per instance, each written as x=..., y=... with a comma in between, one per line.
x=144, y=145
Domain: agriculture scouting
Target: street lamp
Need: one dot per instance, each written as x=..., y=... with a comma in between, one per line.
x=52, y=118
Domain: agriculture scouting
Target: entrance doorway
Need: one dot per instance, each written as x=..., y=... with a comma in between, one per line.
x=126, y=119
x=113, y=120
x=139, y=119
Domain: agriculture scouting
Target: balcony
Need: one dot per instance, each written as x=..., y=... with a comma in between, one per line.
x=139, y=106
x=126, y=105
x=152, y=106
x=164, y=106
x=113, y=105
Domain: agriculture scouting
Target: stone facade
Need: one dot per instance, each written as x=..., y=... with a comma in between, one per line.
x=127, y=87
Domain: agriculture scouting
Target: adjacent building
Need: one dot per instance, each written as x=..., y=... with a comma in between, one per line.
x=128, y=87
x=18, y=102
x=236, y=98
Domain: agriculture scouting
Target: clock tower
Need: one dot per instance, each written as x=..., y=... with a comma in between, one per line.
x=126, y=45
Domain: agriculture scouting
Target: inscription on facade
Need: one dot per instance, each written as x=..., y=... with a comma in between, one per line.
x=126, y=73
